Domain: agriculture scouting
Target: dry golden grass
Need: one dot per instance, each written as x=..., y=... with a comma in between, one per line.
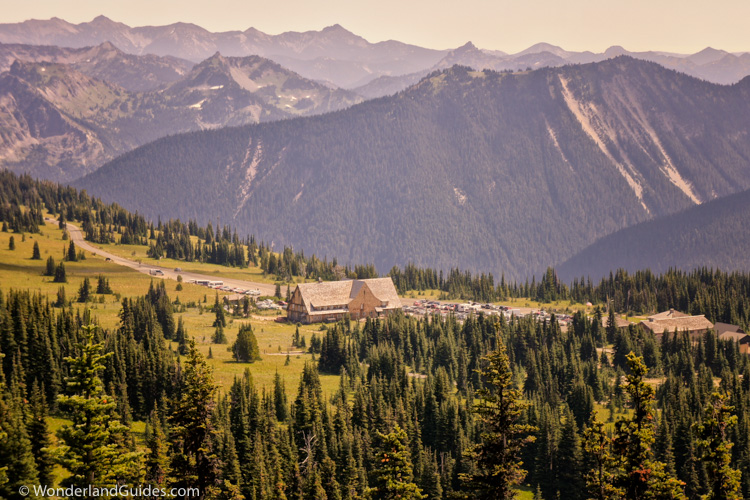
x=18, y=271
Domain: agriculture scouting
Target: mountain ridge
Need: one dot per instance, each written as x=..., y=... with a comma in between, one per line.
x=105, y=120
x=337, y=55
x=533, y=165
x=712, y=235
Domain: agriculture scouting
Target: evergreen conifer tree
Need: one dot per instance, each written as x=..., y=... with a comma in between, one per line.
x=598, y=448
x=41, y=441
x=72, y=256
x=181, y=337
x=569, y=464
x=280, y=402
x=50, y=268
x=245, y=347
x=724, y=481
x=60, y=276
x=84, y=292
x=12, y=243
x=639, y=475
x=497, y=457
x=61, y=298
x=35, y=254
x=17, y=465
x=194, y=461
x=219, y=311
x=157, y=458
x=392, y=474
x=219, y=337
x=91, y=447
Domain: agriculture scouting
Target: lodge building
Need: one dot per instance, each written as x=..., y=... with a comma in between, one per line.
x=332, y=300
x=675, y=321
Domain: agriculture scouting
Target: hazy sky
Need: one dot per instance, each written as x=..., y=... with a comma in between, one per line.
x=509, y=25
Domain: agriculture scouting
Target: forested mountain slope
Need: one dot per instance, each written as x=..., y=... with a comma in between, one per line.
x=60, y=122
x=715, y=235
x=481, y=170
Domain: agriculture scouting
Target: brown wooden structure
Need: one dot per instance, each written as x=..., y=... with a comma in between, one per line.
x=332, y=300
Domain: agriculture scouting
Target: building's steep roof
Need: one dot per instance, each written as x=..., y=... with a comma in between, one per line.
x=726, y=327
x=680, y=323
x=669, y=315
x=735, y=336
x=340, y=293
x=325, y=293
x=383, y=289
x=619, y=322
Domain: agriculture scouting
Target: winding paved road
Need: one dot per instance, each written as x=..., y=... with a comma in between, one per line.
x=169, y=273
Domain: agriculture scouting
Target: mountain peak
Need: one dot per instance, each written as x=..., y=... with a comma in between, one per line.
x=468, y=46
x=107, y=46
x=710, y=50
x=614, y=51
x=336, y=28
x=544, y=47
x=707, y=55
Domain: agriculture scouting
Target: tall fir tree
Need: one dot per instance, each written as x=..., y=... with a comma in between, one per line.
x=245, y=347
x=39, y=435
x=497, y=458
x=194, y=460
x=157, y=456
x=392, y=476
x=60, y=274
x=92, y=448
x=724, y=481
x=639, y=474
x=219, y=337
x=17, y=464
x=35, y=253
x=50, y=267
x=569, y=474
x=600, y=476
x=71, y=255
x=220, y=319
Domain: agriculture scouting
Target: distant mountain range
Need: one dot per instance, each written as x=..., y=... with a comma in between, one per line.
x=712, y=65
x=332, y=54
x=104, y=62
x=714, y=235
x=508, y=172
x=61, y=121
x=342, y=58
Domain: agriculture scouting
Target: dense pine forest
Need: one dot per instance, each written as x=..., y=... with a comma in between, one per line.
x=445, y=403
x=425, y=407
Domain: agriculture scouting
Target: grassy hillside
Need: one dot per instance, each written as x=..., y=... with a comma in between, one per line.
x=18, y=271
